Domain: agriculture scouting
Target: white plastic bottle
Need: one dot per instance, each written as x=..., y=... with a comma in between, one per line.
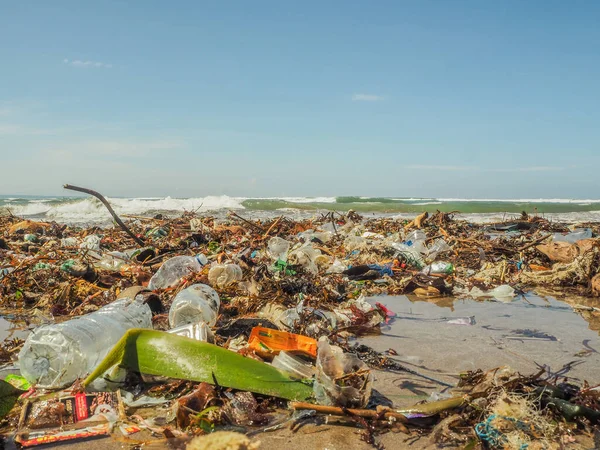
x=175, y=269
x=197, y=303
x=54, y=356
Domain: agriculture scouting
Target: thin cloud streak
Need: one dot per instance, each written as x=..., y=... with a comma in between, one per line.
x=445, y=168
x=112, y=148
x=483, y=169
x=367, y=98
x=86, y=64
x=530, y=169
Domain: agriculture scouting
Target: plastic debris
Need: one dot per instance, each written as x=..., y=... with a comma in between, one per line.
x=197, y=303
x=56, y=355
x=223, y=275
x=268, y=343
x=342, y=379
x=174, y=269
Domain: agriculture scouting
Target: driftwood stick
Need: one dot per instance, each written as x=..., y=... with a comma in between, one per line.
x=110, y=210
x=253, y=225
x=336, y=411
x=271, y=227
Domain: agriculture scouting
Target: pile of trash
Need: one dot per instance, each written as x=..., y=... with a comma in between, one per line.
x=202, y=325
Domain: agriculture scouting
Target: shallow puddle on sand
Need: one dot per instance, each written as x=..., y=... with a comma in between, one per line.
x=527, y=333
x=10, y=330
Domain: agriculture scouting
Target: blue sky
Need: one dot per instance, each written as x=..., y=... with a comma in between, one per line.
x=493, y=99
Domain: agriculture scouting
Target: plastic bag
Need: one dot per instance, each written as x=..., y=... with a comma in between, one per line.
x=278, y=248
x=342, y=379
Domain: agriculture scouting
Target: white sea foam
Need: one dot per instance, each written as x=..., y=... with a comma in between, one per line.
x=29, y=209
x=519, y=200
x=88, y=210
x=91, y=210
x=293, y=199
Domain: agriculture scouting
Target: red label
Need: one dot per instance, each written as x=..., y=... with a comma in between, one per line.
x=81, y=410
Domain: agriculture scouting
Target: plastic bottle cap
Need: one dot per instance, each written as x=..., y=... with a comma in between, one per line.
x=202, y=259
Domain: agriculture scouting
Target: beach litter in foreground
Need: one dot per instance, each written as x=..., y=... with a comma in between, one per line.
x=204, y=332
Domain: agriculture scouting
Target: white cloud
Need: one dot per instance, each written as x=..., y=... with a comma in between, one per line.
x=530, y=169
x=484, y=169
x=20, y=130
x=434, y=167
x=112, y=148
x=367, y=98
x=86, y=63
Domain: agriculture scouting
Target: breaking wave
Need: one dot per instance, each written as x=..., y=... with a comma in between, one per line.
x=88, y=210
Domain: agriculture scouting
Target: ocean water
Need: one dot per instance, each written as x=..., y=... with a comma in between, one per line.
x=88, y=210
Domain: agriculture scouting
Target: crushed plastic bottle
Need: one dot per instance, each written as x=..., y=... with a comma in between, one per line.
x=112, y=261
x=54, y=356
x=174, y=269
x=440, y=268
x=438, y=246
x=223, y=275
x=278, y=248
x=409, y=255
x=197, y=303
x=308, y=257
x=288, y=319
x=416, y=240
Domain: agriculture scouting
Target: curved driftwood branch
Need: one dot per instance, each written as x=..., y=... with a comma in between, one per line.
x=110, y=210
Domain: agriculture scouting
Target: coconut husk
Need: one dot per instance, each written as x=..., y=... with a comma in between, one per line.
x=28, y=226
x=559, y=251
x=566, y=252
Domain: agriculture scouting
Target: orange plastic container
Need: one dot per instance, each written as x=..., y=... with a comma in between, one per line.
x=268, y=343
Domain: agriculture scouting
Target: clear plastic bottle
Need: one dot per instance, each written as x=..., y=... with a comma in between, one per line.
x=56, y=355
x=197, y=303
x=439, y=246
x=416, y=239
x=223, y=275
x=112, y=261
x=409, y=254
x=175, y=269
